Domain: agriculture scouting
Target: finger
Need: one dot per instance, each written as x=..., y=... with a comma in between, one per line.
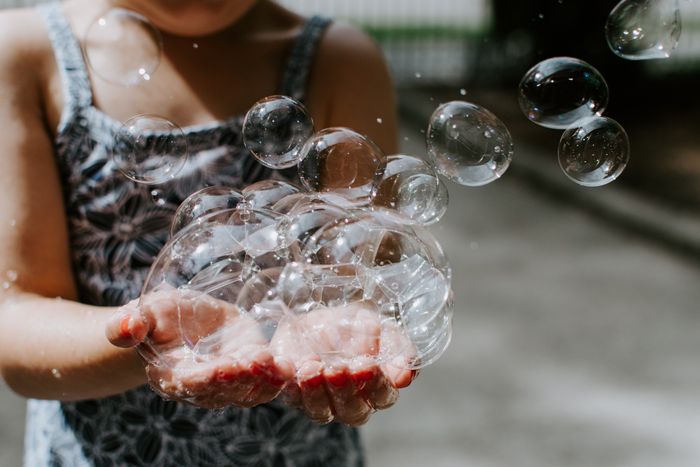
x=348, y=403
x=374, y=386
x=397, y=373
x=126, y=327
x=269, y=379
x=314, y=397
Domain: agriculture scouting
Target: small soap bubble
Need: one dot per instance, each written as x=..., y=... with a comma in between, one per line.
x=12, y=275
x=558, y=92
x=275, y=129
x=159, y=197
x=13, y=223
x=195, y=45
x=463, y=92
x=122, y=47
x=468, y=144
x=418, y=75
x=6, y=285
x=56, y=373
x=644, y=29
x=594, y=152
x=343, y=161
x=380, y=120
x=150, y=149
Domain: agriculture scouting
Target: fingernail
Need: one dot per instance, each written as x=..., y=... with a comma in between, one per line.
x=363, y=376
x=225, y=375
x=124, y=331
x=313, y=382
x=338, y=379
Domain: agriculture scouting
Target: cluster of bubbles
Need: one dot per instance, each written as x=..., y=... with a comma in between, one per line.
x=276, y=255
x=569, y=94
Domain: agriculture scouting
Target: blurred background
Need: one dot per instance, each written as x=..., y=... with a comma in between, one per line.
x=578, y=309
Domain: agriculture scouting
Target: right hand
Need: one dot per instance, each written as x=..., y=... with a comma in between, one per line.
x=237, y=370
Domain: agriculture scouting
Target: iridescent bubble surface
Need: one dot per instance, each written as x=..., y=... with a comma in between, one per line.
x=468, y=144
x=122, y=47
x=412, y=188
x=275, y=129
x=594, y=152
x=341, y=160
x=644, y=29
x=205, y=201
x=149, y=149
x=558, y=92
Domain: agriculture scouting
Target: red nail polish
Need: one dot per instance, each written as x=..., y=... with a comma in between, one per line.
x=124, y=331
x=363, y=376
x=313, y=382
x=225, y=375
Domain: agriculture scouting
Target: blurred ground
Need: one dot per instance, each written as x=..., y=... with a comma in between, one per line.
x=575, y=345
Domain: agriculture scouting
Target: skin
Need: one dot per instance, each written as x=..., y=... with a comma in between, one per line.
x=56, y=348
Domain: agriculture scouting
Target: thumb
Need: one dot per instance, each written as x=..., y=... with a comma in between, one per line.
x=126, y=327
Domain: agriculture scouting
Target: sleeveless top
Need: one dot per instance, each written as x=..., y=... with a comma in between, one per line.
x=116, y=228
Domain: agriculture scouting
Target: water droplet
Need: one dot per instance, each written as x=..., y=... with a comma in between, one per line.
x=195, y=45
x=158, y=197
x=56, y=373
x=380, y=120
x=463, y=92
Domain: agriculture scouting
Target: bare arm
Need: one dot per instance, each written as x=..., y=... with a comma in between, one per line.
x=49, y=348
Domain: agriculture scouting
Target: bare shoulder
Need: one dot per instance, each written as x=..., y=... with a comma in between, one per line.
x=350, y=85
x=25, y=49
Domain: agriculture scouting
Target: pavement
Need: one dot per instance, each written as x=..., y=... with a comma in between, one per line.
x=575, y=341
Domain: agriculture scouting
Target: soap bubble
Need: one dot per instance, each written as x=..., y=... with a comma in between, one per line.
x=412, y=188
x=594, y=152
x=468, y=144
x=150, y=149
x=275, y=129
x=644, y=29
x=207, y=267
x=342, y=161
x=266, y=193
x=203, y=202
x=560, y=91
x=122, y=47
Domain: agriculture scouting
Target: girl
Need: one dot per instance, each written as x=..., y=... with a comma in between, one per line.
x=77, y=238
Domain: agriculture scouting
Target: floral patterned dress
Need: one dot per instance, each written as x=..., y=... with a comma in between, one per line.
x=116, y=230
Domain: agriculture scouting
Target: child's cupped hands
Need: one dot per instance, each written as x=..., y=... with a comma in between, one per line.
x=323, y=362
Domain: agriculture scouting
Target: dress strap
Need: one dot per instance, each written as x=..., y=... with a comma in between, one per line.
x=69, y=58
x=296, y=75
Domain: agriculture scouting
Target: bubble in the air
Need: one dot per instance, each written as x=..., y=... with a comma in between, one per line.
x=275, y=129
x=342, y=161
x=558, y=92
x=412, y=188
x=203, y=202
x=594, y=152
x=123, y=47
x=468, y=144
x=150, y=149
x=644, y=29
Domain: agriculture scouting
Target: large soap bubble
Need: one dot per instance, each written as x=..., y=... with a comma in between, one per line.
x=275, y=129
x=558, y=92
x=594, y=152
x=468, y=144
x=266, y=193
x=412, y=188
x=150, y=149
x=342, y=161
x=644, y=29
x=122, y=47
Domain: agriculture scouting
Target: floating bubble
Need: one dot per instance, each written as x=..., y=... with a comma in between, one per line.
x=122, y=47
x=468, y=144
x=205, y=201
x=150, y=149
x=412, y=188
x=558, y=92
x=342, y=161
x=594, y=152
x=644, y=29
x=159, y=197
x=275, y=129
